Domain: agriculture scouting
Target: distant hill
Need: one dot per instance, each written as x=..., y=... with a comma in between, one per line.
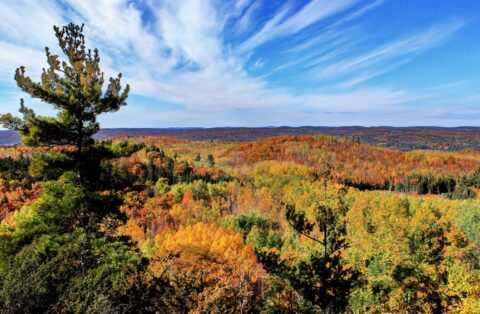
x=9, y=138
x=402, y=138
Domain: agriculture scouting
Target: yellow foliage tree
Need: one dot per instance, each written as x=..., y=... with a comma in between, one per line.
x=412, y=257
x=210, y=267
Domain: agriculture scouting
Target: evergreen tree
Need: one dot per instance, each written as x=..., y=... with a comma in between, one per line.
x=62, y=253
x=210, y=161
x=321, y=276
x=74, y=88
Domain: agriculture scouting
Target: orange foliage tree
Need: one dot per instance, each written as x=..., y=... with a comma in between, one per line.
x=210, y=268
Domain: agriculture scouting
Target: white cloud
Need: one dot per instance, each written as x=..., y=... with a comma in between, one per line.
x=279, y=25
x=175, y=52
x=13, y=55
x=358, y=101
x=29, y=23
x=247, y=20
x=405, y=47
x=360, y=12
x=191, y=29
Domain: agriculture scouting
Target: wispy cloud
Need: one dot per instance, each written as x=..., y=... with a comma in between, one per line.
x=403, y=48
x=178, y=52
x=279, y=25
x=29, y=23
x=13, y=55
x=362, y=11
x=247, y=20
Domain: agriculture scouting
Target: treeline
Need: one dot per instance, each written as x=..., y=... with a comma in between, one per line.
x=406, y=139
x=450, y=187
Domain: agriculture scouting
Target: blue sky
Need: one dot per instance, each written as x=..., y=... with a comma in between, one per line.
x=264, y=63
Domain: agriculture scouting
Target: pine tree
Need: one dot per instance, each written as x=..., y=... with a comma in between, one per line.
x=62, y=252
x=210, y=161
x=320, y=276
x=74, y=88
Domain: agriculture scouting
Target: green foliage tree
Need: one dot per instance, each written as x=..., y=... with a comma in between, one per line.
x=74, y=87
x=210, y=161
x=473, y=179
x=320, y=276
x=52, y=258
x=14, y=169
x=62, y=253
x=468, y=220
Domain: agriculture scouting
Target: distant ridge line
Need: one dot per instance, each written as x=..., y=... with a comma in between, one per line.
x=402, y=138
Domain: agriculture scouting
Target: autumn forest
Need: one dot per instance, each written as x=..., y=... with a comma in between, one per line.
x=284, y=224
